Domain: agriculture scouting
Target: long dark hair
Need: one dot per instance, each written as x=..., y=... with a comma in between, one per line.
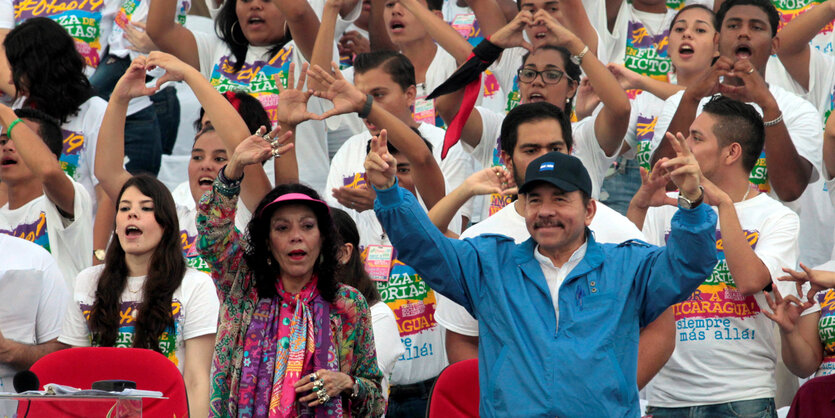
x=261, y=261
x=165, y=274
x=229, y=30
x=47, y=68
x=353, y=272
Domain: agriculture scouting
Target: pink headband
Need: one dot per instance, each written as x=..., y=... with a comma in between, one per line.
x=298, y=197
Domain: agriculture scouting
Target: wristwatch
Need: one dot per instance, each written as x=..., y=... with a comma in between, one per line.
x=99, y=254
x=578, y=59
x=686, y=203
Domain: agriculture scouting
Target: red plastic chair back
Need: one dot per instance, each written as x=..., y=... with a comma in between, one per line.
x=455, y=393
x=80, y=367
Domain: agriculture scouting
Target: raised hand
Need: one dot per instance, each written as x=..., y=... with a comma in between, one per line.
x=138, y=38
x=683, y=170
x=259, y=147
x=491, y=180
x=380, y=165
x=627, y=78
x=352, y=42
x=714, y=196
x=708, y=84
x=292, y=102
x=513, y=33
x=753, y=88
x=359, y=198
x=132, y=83
x=652, y=192
x=559, y=35
x=175, y=70
x=785, y=310
x=818, y=280
x=345, y=96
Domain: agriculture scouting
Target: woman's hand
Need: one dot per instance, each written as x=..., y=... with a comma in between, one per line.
x=785, y=311
x=491, y=180
x=345, y=96
x=132, y=83
x=175, y=70
x=818, y=280
x=292, y=102
x=627, y=78
x=513, y=33
x=380, y=166
x=559, y=34
x=333, y=383
x=138, y=38
x=256, y=149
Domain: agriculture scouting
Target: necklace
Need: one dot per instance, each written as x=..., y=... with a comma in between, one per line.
x=745, y=196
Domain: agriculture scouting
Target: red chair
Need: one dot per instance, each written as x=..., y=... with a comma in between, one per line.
x=455, y=393
x=80, y=367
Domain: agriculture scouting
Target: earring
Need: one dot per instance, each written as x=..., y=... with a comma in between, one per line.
x=233, y=33
x=568, y=101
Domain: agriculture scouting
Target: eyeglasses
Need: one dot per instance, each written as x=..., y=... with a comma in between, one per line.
x=528, y=75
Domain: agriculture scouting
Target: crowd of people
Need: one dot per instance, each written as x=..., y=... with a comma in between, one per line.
x=618, y=207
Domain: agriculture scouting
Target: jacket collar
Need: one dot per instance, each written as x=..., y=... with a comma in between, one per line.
x=523, y=254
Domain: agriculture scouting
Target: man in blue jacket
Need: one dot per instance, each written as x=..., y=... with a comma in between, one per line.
x=559, y=314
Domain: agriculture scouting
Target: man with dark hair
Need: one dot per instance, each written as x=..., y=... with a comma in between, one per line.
x=792, y=152
x=530, y=131
x=559, y=313
x=45, y=205
x=723, y=363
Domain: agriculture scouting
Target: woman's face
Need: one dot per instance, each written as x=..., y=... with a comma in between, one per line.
x=261, y=21
x=208, y=156
x=137, y=228
x=693, y=41
x=540, y=91
x=295, y=240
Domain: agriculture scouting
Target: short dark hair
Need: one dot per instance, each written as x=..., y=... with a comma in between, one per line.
x=49, y=129
x=392, y=63
x=765, y=5
x=572, y=70
x=532, y=112
x=738, y=122
x=713, y=20
x=353, y=272
x=260, y=260
x=434, y=4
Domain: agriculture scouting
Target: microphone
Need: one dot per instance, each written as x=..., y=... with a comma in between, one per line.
x=25, y=380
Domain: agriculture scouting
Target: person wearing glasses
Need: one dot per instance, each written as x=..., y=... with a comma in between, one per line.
x=550, y=73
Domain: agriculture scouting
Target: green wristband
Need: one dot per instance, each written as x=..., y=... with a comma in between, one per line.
x=11, y=126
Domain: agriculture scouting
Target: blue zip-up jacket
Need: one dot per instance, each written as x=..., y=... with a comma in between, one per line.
x=586, y=367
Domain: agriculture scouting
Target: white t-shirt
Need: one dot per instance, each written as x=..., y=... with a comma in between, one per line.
x=646, y=108
x=441, y=67
x=405, y=292
x=187, y=217
x=724, y=344
x=257, y=77
x=194, y=306
x=585, y=147
x=40, y=221
x=638, y=39
x=35, y=299
x=386, y=341
x=802, y=121
x=88, y=22
x=137, y=11
x=608, y=226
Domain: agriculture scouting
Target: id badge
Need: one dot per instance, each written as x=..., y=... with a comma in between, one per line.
x=378, y=262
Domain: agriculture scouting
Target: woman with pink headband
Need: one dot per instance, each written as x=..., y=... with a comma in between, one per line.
x=284, y=318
